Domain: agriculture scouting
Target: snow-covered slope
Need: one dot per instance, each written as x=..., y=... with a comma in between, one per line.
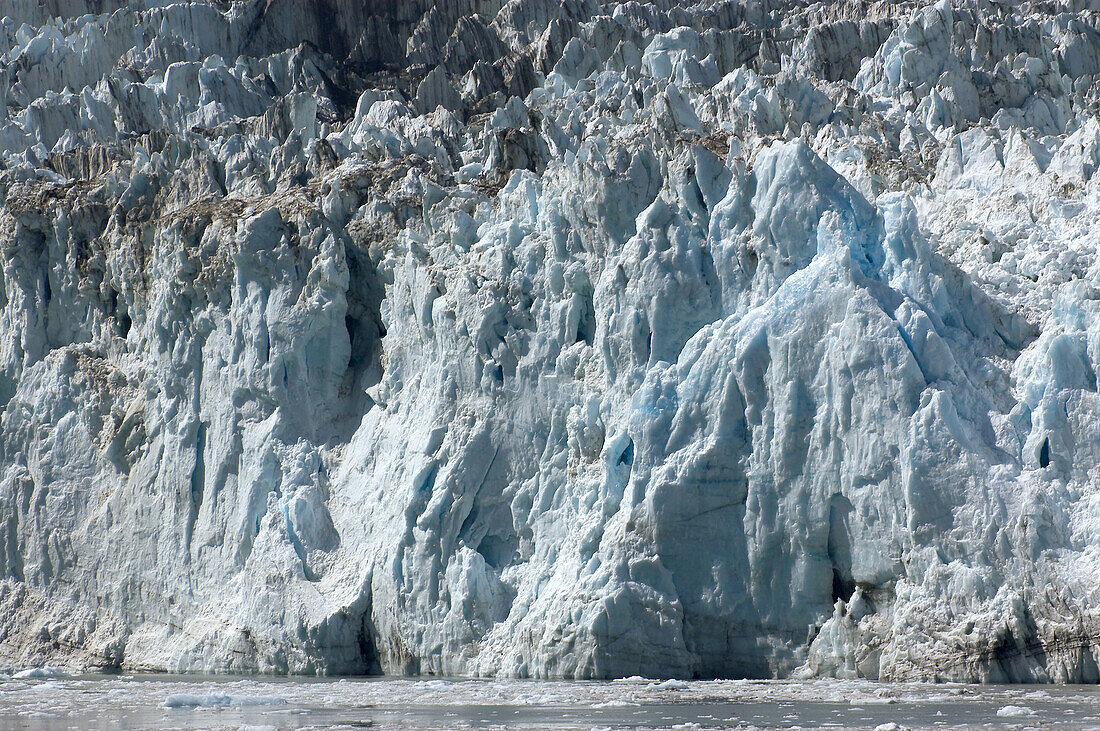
x=549, y=338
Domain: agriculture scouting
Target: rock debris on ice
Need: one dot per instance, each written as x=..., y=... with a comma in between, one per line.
x=555, y=339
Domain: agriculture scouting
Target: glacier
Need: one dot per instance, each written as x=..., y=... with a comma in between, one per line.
x=583, y=339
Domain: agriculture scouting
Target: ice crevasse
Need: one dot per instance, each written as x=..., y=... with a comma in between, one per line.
x=541, y=339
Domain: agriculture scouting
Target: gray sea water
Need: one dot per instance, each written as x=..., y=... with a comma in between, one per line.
x=172, y=702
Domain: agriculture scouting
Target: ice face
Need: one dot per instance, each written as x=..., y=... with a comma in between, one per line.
x=550, y=339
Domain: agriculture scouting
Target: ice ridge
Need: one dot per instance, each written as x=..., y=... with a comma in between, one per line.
x=551, y=339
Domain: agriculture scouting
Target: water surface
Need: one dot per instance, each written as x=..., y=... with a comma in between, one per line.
x=173, y=702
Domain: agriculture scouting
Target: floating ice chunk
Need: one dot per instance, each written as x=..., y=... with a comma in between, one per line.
x=46, y=671
x=219, y=700
x=1015, y=711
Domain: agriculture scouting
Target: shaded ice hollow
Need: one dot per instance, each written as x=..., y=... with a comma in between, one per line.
x=553, y=339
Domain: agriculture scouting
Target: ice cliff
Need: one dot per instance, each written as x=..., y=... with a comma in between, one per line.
x=539, y=338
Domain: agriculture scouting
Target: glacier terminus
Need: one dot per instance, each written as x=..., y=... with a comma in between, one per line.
x=553, y=339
